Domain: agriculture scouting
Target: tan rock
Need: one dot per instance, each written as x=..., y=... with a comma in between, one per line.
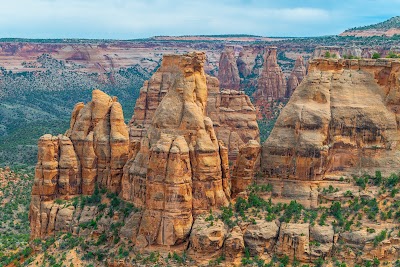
x=178, y=172
x=261, y=237
x=234, y=246
x=293, y=241
x=343, y=117
x=243, y=171
x=206, y=240
x=233, y=115
x=296, y=76
x=94, y=149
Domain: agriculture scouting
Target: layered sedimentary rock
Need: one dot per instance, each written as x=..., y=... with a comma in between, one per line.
x=343, y=117
x=233, y=116
x=94, y=149
x=250, y=61
x=271, y=84
x=243, y=171
x=174, y=170
x=296, y=76
x=232, y=113
x=228, y=73
x=179, y=171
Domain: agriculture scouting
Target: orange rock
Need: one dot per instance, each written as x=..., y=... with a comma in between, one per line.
x=243, y=171
x=232, y=113
x=342, y=118
x=296, y=76
x=178, y=172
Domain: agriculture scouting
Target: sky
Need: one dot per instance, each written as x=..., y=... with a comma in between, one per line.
x=130, y=19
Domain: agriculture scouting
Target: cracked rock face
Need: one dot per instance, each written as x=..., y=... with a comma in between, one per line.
x=271, y=84
x=343, y=117
x=179, y=171
x=296, y=76
x=228, y=73
x=231, y=111
x=94, y=149
x=174, y=170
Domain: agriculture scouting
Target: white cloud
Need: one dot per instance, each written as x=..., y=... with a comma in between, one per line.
x=142, y=18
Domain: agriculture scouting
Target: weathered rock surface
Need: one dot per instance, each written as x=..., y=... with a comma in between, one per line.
x=250, y=61
x=179, y=171
x=207, y=240
x=233, y=116
x=296, y=76
x=232, y=113
x=243, y=171
x=228, y=73
x=343, y=117
x=271, y=84
x=95, y=148
x=261, y=237
x=294, y=241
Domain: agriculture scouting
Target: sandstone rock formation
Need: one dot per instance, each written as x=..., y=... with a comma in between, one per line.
x=233, y=116
x=296, y=76
x=206, y=241
x=343, y=117
x=94, y=149
x=179, y=171
x=250, y=61
x=232, y=113
x=261, y=237
x=271, y=84
x=245, y=166
x=228, y=74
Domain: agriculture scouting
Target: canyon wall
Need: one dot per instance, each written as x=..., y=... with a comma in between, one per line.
x=342, y=118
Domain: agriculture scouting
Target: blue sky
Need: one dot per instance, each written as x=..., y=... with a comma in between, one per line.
x=128, y=19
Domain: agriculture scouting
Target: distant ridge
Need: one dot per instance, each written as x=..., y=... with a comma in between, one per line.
x=388, y=27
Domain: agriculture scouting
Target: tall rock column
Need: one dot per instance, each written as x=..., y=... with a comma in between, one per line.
x=296, y=76
x=94, y=149
x=228, y=73
x=271, y=84
x=179, y=171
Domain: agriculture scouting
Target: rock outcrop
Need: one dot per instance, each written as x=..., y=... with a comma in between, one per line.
x=342, y=118
x=271, y=84
x=228, y=73
x=245, y=166
x=232, y=113
x=250, y=61
x=94, y=149
x=180, y=170
x=172, y=169
x=296, y=76
x=233, y=116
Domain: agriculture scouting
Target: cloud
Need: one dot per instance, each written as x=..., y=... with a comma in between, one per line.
x=125, y=19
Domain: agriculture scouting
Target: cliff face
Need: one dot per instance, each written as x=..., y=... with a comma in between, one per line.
x=184, y=165
x=232, y=113
x=296, y=76
x=228, y=73
x=94, y=149
x=250, y=61
x=343, y=117
x=271, y=84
